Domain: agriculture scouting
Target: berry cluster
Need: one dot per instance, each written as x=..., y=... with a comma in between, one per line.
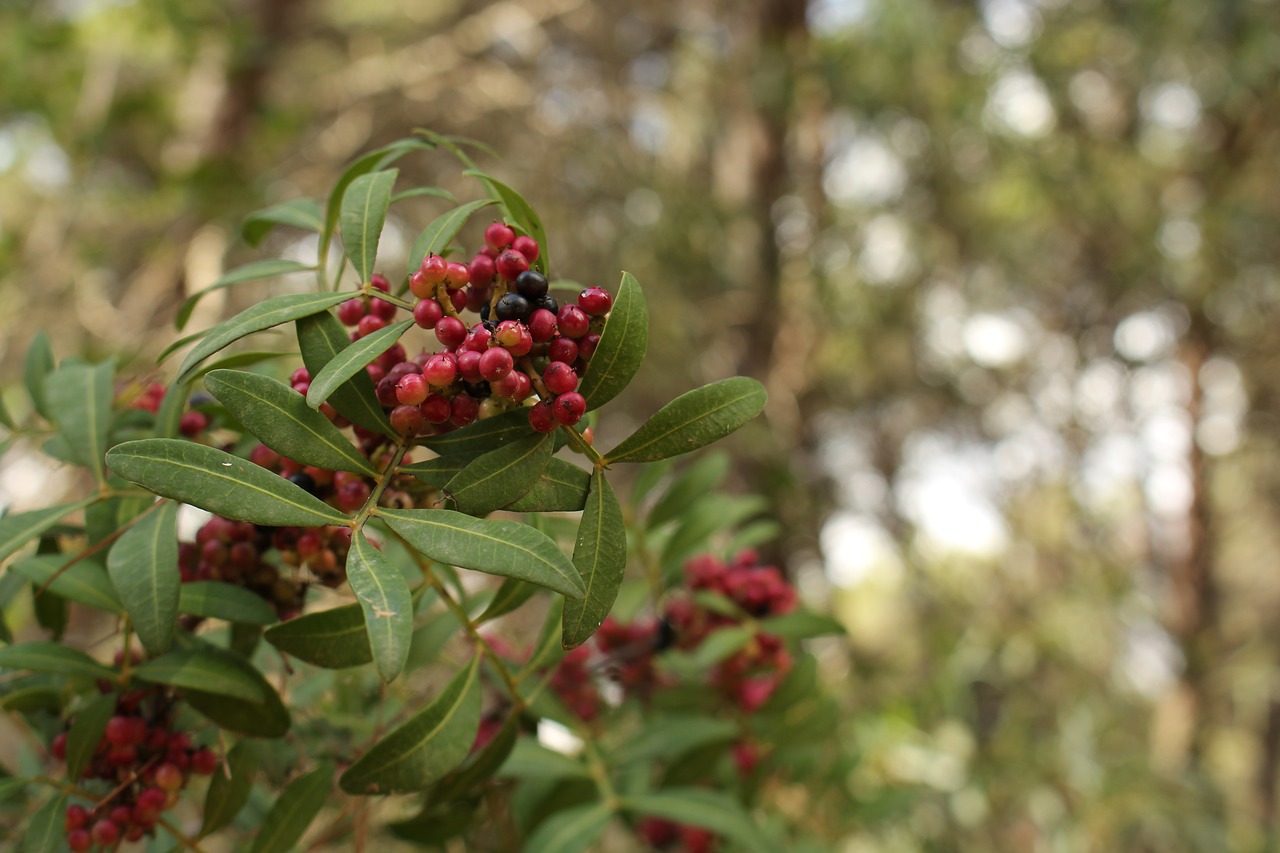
x=525, y=346
x=190, y=424
x=665, y=834
x=145, y=763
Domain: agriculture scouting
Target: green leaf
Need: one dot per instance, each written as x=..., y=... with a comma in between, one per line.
x=376, y=159
x=436, y=471
x=255, y=271
x=482, y=436
x=143, y=564
x=801, y=625
x=332, y=639
x=179, y=344
x=321, y=338
x=698, y=480
x=199, y=669
x=530, y=760
x=519, y=212
x=600, y=555
x=427, y=746
x=264, y=315
x=508, y=598
x=280, y=418
x=713, y=513
x=55, y=658
x=435, y=825
x=571, y=830
x=547, y=649
x=79, y=398
x=47, y=830
x=301, y=213
x=216, y=600
x=384, y=597
x=497, y=478
x=86, y=733
x=692, y=420
x=504, y=548
x=5, y=417
x=701, y=807
x=669, y=736
x=294, y=811
x=437, y=236
x=352, y=361
x=267, y=717
x=20, y=528
x=219, y=482
x=83, y=582
x=479, y=767
x=38, y=364
x=418, y=192
x=622, y=346
x=169, y=417
x=227, y=796
x=721, y=644
x=561, y=488
x=363, y=213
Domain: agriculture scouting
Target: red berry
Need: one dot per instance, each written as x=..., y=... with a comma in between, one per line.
x=481, y=270
x=169, y=777
x=587, y=345
x=441, y=369
x=595, y=301
x=369, y=324
x=573, y=321
x=515, y=337
x=451, y=332
x=569, y=408
x=526, y=246
x=393, y=356
x=510, y=264
x=463, y=410
x=79, y=841
x=434, y=269
x=77, y=817
x=457, y=275
x=478, y=338
x=495, y=364
x=436, y=409
x=351, y=496
x=122, y=756
x=59, y=746
x=563, y=349
x=106, y=832
x=351, y=311
x=560, y=378
x=419, y=286
x=427, y=313
x=498, y=236
x=411, y=389
x=379, y=282
x=515, y=386
x=204, y=761
x=408, y=421
x=382, y=308
x=459, y=298
x=119, y=730
x=540, y=417
x=192, y=423
x=542, y=326
x=120, y=815
x=469, y=365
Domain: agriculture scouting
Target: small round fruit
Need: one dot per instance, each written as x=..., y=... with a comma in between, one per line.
x=407, y=421
x=513, y=306
x=563, y=349
x=511, y=263
x=542, y=325
x=379, y=282
x=595, y=301
x=434, y=269
x=79, y=841
x=369, y=324
x=573, y=321
x=106, y=832
x=526, y=246
x=481, y=270
x=498, y=236
x=541, y=418
x=569, y=408
x=350, y=312
x=469, y=366
x=169, y=777
x=463, y=410
x=382, y=308
x=457, y=275
x=436, y=409
x=427, y=313
x=412, y=389
x=560, y=378
x=532, y=285
x=495, y=364
x=440, y=370
x=451, y=332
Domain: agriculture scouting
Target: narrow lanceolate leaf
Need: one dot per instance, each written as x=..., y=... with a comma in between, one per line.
x=265, y=717
x=20, y=528
x=293, y=812
x=332, y=639
x=280, y=418
x=519, y=212
x=531, y=760
x=264, y=315
x=143, y=564
x=504, y=548
x=666, y=737
x=255, y=271
x=693, y=420
x=83, y=582
x=562, y=487
x=79, y=398
x=198, y=669
x=37, y=365
x=437, y=236
x=600, y=555
x=55, y=658
x=6, y=418
x=701, y=807
x=622, y=346
x=364, y=212
x=219, y=482
x=479, y=767
x=227, y=796
x=482, y=436
x=86, y=733
x=497, y=478
x=216, y=600
x=701, y=478
x=436, y=471
x=377, y=159
x=352, y=361
x=301, y=213
x=801, y=625
x=47, y=830
x=427, y=746
x=384, y=597
x=321, y=337
x=571, y=830
x=509, y=597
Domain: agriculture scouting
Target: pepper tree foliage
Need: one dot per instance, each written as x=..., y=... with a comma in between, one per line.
x=334, y=482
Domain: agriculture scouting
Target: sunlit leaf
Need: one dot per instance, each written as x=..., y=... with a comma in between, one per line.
x=562, y=487
x=255, y=271
x=83, y=582
x=437, y=236
x=19, y=528
x=321, y=338
x=693, y=420
x=363, y=213
x=352, y=361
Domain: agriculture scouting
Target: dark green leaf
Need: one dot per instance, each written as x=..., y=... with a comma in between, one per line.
x=179, y=344
x=169, y=417
x=321, y=337
x=53, y=658
x=519, y=212
x=713, y=513
x=12, y=787
x=547, y=649
x=622, y=346
x=721, y=644
x=531, y=760
x=301, y=213
x=482, y=436
x=509, y=597
x=5, y=417
x=227, y=796
x=219, y=482
x=199, y=669
x=693, y=420
x=29, y=693
x=435, y=238
x=436, y=471
x=255, y=271
x=377, y=159
x=293, y=812
x=86, y=732
x=38, y=364
x=698, y=480
x=504, y=548
x=600, y=555
x=352, y=361
x=701, y=807
x=479, y=767
x=17, y=529
x=79, y=399
x=143, y=564
x=571, y=830
x=216, y=600
x=280, y=418
x=83, y=582
x=801, y=625
x=427, y=746
x=435, y=825
x=264, y=315
x=667, y=737
x=47, y=830
x=265, y=718
x=497, y=478
x=561, y=488
x=363, y=213
x=384, y=596
x=418, y=192
x=333, y=639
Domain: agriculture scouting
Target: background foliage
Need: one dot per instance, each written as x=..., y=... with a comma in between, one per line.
x=1006, y=269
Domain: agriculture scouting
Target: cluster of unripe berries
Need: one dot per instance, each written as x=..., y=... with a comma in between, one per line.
x=525, y=345
x=144, y=763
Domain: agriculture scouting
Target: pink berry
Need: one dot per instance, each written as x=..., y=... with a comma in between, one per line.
x=350, y=312
x=379, y=282
x=498, y=236
x=77, y=817
x=560, y=378
x=192, y=423
x=541, y=418
x=542, y=326
x=469, y=365
x=573, y=321
x=526, y=246
x=511, y=263
x=106, y=832
x=563, y=349
x=119, y=731
x=204, y=761
x=569, y=408
x=369, y=324
x=434, y=269
x=382, y=308
x=587, y=345
x=419, y=286
x=451, y=332
x=457, y=275
x=458, y=298
x=427, y=313
x=463, y=410
x=495, y=364
x=411, y=389
x=79, y=841
x=478, y=338
x=481, y=270
x=436, y=409
x=441, y=369
x=407, y=420
x=595, y=301
x=515, y=386
x=515, y=337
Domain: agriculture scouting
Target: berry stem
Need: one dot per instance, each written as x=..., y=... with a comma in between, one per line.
x=580, y=444
x=371, y=503
x=446, y=302
x=178, y=836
